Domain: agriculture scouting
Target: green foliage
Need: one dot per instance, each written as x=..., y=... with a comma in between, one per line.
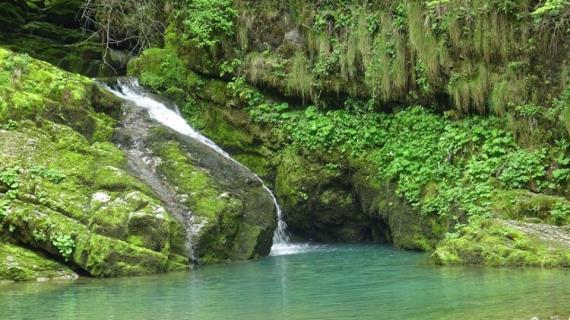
x=9, y=125
x=421, y=77
x=440, y=166
x=207, y=21
x=550, y=8
x=52, y=175
x=522, y=167
x=229, y=67
x=64, y=244
x=159, y=69
x=9, y=184
x=561, y=213
x=562, y=173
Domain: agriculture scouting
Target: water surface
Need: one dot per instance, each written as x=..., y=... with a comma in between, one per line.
x=320, y=282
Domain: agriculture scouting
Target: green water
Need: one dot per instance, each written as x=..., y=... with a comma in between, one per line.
x=325, y=282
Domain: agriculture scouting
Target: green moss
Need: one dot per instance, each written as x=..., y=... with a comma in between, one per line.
x=21, y=264
x=521, y=205
x=493, y=243
x=137, y=240
x=115, y=179
x=177, y=167
x=158, y=69
x=245, y=241
x=38, y=90
x=255, y=162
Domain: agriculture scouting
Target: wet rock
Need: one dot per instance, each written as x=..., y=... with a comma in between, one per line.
x=226, y=212
x=318, y=201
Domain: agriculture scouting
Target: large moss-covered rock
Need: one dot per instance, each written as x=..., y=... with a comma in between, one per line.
x=533, y=207
x=490, y=242
x=21, y=264
x=223, y=206
x=65, y=188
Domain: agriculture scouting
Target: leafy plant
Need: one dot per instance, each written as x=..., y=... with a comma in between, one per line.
x=522, y=167
x=64, y=244
x=560, y=212
x=10, y=180
x=52, y=175
x=9, y=125
x=206, y=21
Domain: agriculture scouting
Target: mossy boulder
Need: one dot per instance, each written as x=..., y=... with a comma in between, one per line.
x=65, y=189
x=22, y=264
x=532, y=207
x=232, y=213
x=489, y=242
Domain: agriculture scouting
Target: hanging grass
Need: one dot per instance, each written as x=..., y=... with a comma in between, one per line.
x=300, y=79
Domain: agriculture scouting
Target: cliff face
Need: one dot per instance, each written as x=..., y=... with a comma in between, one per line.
x=298, y=91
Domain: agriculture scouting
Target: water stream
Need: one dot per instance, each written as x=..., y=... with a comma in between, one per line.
x=129, y=89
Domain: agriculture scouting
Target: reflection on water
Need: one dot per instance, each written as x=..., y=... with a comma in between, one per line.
x=321, y=282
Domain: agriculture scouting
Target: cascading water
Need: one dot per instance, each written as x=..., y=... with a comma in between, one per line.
x=128, y=89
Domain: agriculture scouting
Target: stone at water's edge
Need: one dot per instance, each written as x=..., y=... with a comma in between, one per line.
x=21, y=264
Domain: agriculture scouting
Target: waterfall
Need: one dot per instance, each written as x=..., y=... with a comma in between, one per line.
x=129, y=89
